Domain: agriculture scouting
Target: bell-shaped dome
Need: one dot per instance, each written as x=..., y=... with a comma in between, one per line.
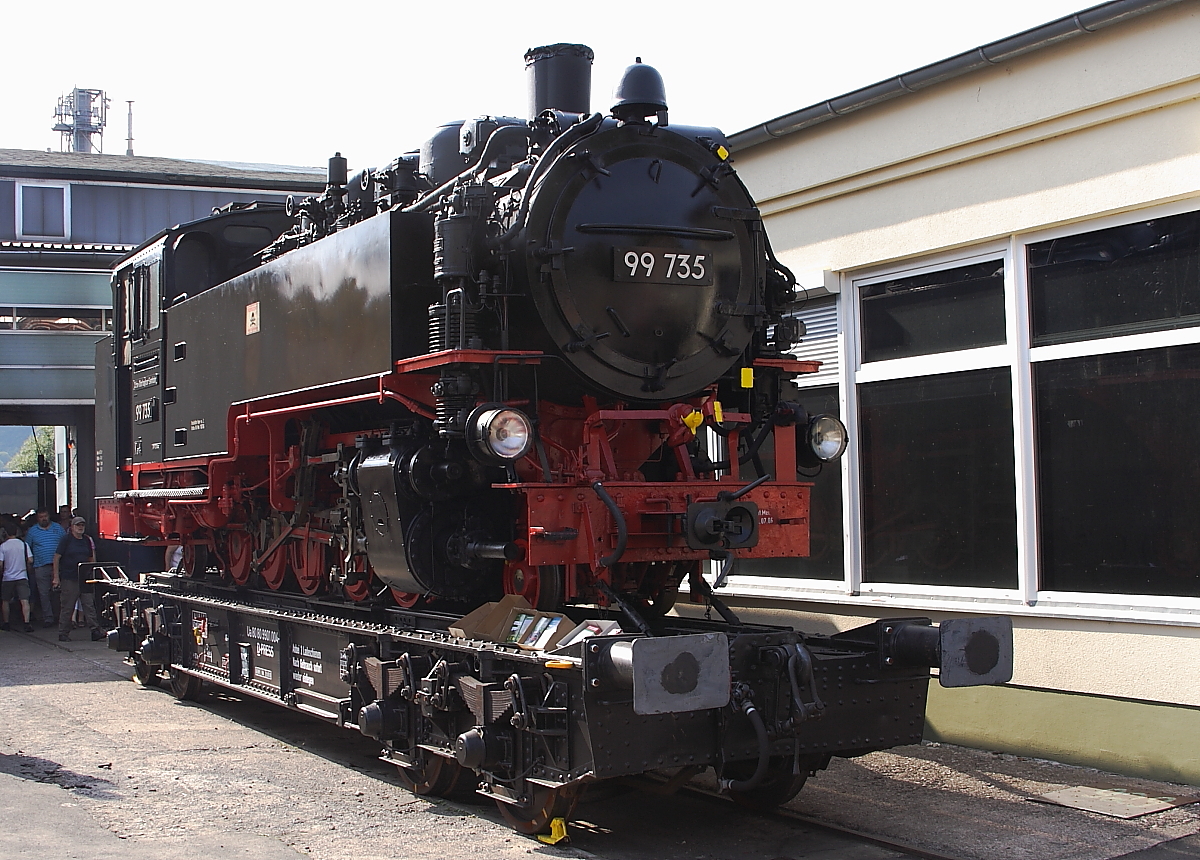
x=639, y=93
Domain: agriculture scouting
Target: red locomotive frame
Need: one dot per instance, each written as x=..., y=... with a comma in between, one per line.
x=562, y=523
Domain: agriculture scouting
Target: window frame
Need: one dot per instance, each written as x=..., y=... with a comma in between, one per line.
x=936, y=364
x=1019, y=356
x=22, y=235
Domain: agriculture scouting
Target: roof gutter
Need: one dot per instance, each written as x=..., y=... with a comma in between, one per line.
x=994, y=53
x=232, y=183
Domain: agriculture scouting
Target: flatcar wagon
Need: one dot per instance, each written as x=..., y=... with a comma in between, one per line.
x=531, y=380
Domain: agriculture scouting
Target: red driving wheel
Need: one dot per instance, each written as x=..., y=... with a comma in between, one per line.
x=239, y=549
x=308, y=563
x=405, y=599
x=541, y=586
x=360, y=589
x=275, y=568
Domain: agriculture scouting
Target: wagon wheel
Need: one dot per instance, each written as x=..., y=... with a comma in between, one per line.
x=664, y=601
x=239, y=549
x=360, y=589
x=308, y=563
x=145, y=674
x=405, y=599
x=437, y=776
x=194, y=562
x=183, y=686
x=275, y=568
x=541, y=586
x=542, y=806
x=779, y=785
x=664, y=587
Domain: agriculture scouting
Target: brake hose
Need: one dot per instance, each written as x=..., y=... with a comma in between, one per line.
x=764, y=752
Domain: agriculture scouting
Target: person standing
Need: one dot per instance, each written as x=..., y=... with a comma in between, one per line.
x=18, y=561
x=43, y=538
x=73, y=550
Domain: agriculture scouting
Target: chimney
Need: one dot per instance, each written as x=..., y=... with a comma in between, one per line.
x=129, y=139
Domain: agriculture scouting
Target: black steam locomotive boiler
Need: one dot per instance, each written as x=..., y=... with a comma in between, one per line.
x=539, y=367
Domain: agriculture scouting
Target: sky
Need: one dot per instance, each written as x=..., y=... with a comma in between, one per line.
x=290, y=83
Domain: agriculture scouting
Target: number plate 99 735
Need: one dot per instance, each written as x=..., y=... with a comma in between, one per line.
x=658, y=266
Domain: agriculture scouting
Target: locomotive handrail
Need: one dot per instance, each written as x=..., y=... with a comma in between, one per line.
x=658, y=230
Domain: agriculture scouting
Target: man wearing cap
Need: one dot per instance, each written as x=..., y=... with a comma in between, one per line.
x=73, y=550
x=43, y=538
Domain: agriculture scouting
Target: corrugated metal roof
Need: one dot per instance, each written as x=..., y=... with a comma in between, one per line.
x=65, y=246
x=32, y=163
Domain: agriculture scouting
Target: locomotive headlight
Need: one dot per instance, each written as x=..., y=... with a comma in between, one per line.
x=827, y=437
x=498, y=434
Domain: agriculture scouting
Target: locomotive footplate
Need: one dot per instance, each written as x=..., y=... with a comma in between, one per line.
x=764, y=706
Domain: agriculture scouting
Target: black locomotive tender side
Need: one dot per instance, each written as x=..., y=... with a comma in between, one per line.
x=386, y=267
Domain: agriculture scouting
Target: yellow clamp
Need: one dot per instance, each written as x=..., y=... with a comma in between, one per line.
x=693, y=420
x=557, y=834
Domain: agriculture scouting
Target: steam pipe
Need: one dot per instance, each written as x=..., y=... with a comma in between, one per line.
x=484, y=158
x=588, y=126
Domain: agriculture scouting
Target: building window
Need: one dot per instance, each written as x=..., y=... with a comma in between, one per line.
x=55, y=319
x=943, y=311
x=938, y=492
x=42, y=211
x=1123, y=280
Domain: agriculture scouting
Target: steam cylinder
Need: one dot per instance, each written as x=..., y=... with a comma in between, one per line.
x=560, y=78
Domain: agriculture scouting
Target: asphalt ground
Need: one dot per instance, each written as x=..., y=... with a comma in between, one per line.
x=94, y=766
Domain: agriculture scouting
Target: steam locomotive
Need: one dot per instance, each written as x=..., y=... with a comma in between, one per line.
x=544, y=358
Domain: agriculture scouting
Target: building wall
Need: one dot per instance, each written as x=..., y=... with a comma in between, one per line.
x=1066, y=133
x=1077, y=137
x=55, y=297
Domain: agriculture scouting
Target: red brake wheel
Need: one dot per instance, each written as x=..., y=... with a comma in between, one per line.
x=541, y=586
x=275, y=568
x=308, y=563
x=239, y=549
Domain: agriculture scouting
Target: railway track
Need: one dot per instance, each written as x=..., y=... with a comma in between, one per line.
x=633, y=818
x=783, y=813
